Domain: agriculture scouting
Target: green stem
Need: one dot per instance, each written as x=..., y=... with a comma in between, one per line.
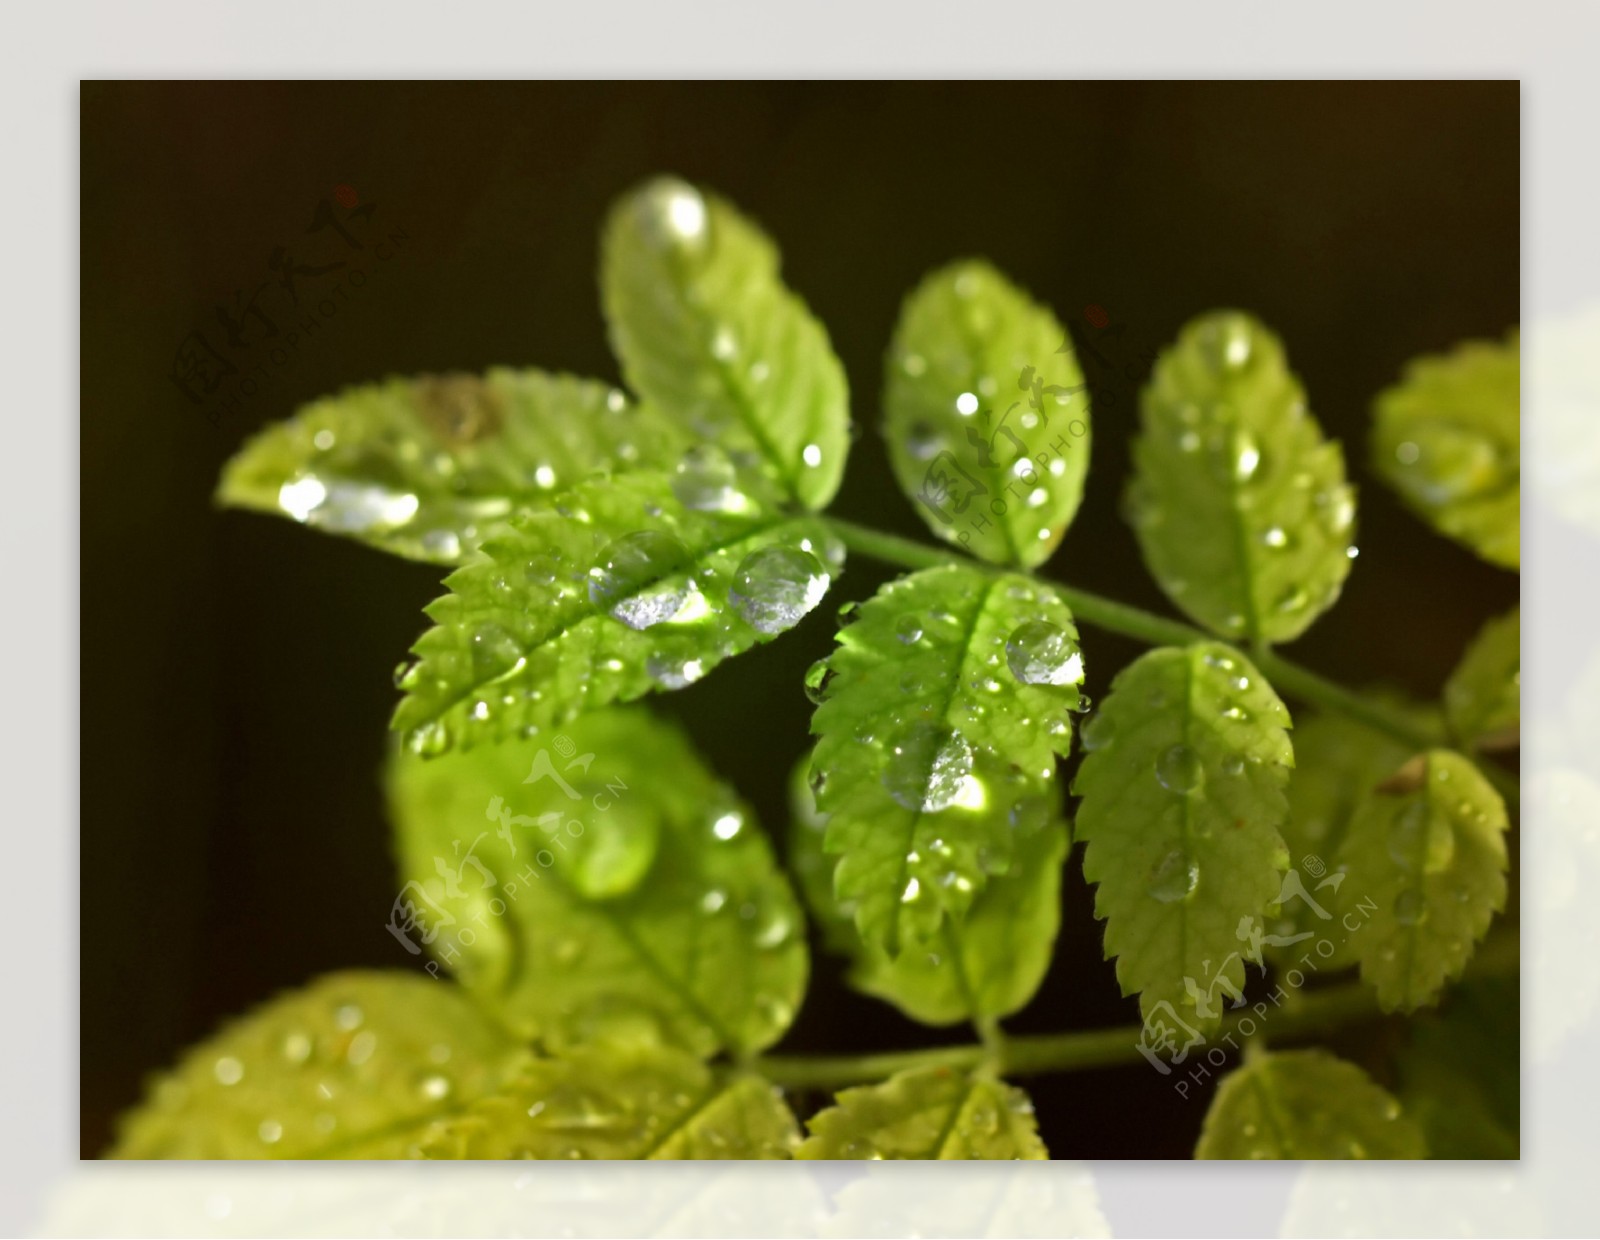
x=1318, y=1012
x=1156, y=630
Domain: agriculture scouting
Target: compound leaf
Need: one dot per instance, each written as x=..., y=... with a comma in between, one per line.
x=927, y=1113
x=355, y=1065
x=1425, y=858
x=1305, y=1104
x=1448, y=438
x=1240, y=505
x=1183, y=801
x=622, y=1102
x=986, y=964
x=979, y=416
x=1459, y=1075
x=428, y=467
x=706, y=329
x=1483, y=697
x=606, y=886
x=620, y=588
x=942, y=713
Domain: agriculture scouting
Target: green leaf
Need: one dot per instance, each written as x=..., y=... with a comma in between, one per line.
x=623, y=1102
x=988, y=963
x=1448, y=438
x=986, y=415
x=355, y=1065
x=1305, y=1104
x=1459, y=1076
x=428, y=467
x=619, y=590
x=942, y=713
x=647, y=903
x=1336, y=763
x=1240, y=505
x=927, y=1113
x=1483, y=697
x=1183, y=801
x=706, y=329
x=1425, y=861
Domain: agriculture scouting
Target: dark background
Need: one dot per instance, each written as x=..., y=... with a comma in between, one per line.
x=236, y=669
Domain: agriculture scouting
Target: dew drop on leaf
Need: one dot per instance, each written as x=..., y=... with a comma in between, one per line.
x=775, y=587
x=928, y=768
x=674, y=671
x=1178, y=769
x=626, y=578
x=1420, y=841
x=706, y=481
x=908, y=629
x=817, y=678
x=1040, y=653
x=1175, y=877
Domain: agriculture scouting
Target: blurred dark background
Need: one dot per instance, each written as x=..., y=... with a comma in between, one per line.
x=236, y=670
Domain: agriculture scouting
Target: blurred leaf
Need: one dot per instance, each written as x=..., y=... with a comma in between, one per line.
x=706, y=329
x=1240, y=505
x=1425, y=861
x=618, y=590
x=1460, y=1075
x=429, y=467
x=988, y=963
x=1305, y=1104
x=646, y=904
x=622, y=1102
x=1483, y=697
x=927, y=1113
x=1183, y=799
x=355, y=1065
x=942, y=713
x=1448, y=438
x=986, y=415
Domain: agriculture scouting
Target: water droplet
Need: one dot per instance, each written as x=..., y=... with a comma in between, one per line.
x=812, y=455
x=1178, y=769
x=713, y=900
x=270, y=1131
x=1174, y=878
x=773, y=588
x=1039, y=653
x=908, y=629
x=1097, y=732
x=541, y=571
x=674, y=671
x=1419, y=840
x=346, y=507
x=1409, y=908
x=727, y=825
x=633, y=578
x=928, y=768
x=297, y=1047
x=706, y=481
x=1227, y=342
x=494, y=650
x=923, y=441
x=817, y=678
x=672, y=216
x=1247, y=457
x=228, y=1070
x=1275, y=537
x=434, y=1086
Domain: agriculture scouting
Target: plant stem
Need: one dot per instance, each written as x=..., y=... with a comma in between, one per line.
x=1033, y=1054
x=1156, y=630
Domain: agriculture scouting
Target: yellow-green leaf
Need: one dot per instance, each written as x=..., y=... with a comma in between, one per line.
x=927, y=1113
x=986, y=415
x=1483, y=697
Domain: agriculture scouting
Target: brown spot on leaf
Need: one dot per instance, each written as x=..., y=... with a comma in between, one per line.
x=460, y=408
x=1407, y=779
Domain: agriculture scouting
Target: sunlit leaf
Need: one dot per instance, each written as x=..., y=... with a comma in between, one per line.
x=622, y=1102
x=1425, y=862
x=988, y=963
x=623, y=891
x=706, y=329
x=1305, y=1104
x=1240, y=505
x=1448, y=438
x=942, y=713
x=429, y=467
x=1460, y=1075
x=986, y=415
x=355, y=1065
x=1483, y=698
x=620, y=589
x=1183, y=802
x=927, y=1113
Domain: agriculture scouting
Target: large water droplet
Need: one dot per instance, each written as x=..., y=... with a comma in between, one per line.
x=776, y=586
x=627, y=578
x=817, y=678
x=1039, y=653
x=1227, y=342
x=672, y=215
x=928, y=768
x=1420, y=841
x=1175, y=877
x=908, y=629
x=494, y=650
x=674, y=671
x=346, y=507
x=1178, y=769
x=706, y=481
